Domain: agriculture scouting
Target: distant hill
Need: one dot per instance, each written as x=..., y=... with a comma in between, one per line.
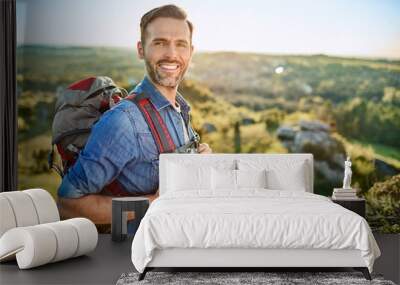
x=254, y=79
x=227, y=74
x=44, y=68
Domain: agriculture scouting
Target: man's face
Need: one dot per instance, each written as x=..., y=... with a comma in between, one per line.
x=167, y=51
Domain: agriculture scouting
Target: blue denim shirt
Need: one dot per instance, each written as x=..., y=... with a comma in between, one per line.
x=121, y=147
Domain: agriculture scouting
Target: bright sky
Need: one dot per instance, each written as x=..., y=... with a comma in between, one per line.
x=336, y=27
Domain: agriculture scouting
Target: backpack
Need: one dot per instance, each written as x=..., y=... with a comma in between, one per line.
x=81, y=105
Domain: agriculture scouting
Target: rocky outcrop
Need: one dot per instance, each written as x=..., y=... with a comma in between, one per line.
x=314, y=137
x=314, y=126
x=286, y=134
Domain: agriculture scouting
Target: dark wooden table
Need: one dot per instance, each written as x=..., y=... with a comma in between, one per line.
x=104, y=265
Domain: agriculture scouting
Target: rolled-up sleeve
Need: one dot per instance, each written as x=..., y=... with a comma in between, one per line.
x=110, y=146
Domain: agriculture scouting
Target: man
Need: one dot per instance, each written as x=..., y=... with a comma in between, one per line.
x=121, y=145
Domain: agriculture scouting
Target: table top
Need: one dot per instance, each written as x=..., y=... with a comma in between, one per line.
x=352, y=199
x=104, y=265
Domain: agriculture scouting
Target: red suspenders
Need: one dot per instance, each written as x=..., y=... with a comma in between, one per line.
x=157, y=126
x=158, y=129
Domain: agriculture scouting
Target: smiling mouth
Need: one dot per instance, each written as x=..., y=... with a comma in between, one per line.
x=169, y=67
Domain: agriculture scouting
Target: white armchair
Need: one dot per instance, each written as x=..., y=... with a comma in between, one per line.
x=31, y=230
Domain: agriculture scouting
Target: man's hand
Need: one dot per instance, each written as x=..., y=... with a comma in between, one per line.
x=204, y=148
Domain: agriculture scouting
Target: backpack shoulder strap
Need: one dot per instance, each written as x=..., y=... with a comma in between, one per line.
x=157, y=126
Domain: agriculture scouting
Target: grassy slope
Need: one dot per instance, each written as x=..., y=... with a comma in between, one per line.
x=388, y=154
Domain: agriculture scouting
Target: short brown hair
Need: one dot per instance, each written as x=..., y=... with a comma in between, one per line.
x=166, y=11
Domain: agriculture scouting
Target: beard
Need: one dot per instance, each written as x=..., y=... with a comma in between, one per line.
x=162, y=78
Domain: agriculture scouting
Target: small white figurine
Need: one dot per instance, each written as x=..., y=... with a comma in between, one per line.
x=347, y=174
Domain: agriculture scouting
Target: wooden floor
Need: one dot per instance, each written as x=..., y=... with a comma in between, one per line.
x=110, y=259
x=102, y=266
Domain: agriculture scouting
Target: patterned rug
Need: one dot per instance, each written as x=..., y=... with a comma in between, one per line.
x=242, y=278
